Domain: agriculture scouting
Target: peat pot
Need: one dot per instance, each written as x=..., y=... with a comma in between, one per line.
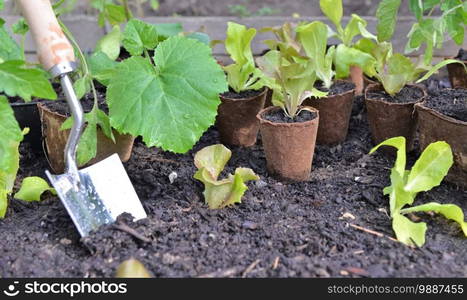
x=55, y=141
x=334, y=115
x=435, y=126
x=289, y=147
x=236, y=118
x=457, y=75
x=389, y=119
x=27, y=115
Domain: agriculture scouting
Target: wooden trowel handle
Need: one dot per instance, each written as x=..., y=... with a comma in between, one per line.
x=53, y=48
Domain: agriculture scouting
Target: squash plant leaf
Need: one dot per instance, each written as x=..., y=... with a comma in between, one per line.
x=102, y=67
x=387, y=18
x=172, y=103
x=139, y=36
x=17, y=80
x=166, y=30
x=10, y=138
x=32, y=189
x=210, y=161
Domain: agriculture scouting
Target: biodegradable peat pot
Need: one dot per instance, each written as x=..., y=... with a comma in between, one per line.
x=457, y=75
x=27, y=115
x=334, y=113
x=55, y=140
x=438, y=120
x=289, y=147
x=236, y=118
x=389, y=119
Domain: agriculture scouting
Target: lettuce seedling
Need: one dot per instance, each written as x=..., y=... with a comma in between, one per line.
x=427, y=172
x=345, y=54
x=210, y=162
x=291, y=78
x=242, y=75
x=169, y=98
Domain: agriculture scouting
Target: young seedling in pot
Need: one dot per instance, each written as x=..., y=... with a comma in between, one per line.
x=236, y=120
x=347, y=59
x=210, y=162
x=390, y=104
x=289, y=129
x=336, y=108
x=427, y=173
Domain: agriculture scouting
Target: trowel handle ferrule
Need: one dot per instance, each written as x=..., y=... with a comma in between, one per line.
x=54, y=50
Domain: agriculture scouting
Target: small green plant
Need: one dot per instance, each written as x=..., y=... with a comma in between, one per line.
x=427, y=173
x=169, y=98
x=428, y=30
x=291, y=77
x=242, y=74
x=345, y=54
x=210, y=162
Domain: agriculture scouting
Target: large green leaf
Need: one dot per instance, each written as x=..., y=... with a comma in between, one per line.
x=32, y=189
x=387, y=18
x=210, y=161
x=449, y=211
x=139, y=36
x=430, y=168
x=333, y=10
x=166, y=30
x=17, y=80
x=10, y=138
x=170, y=104
x=102, y=67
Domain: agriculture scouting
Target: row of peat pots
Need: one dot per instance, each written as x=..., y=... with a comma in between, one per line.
x=289, y=144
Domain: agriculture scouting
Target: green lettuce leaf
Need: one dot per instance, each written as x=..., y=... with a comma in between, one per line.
x=210, y=162
x=333, y=10
x=172, y=103
x=449, y=211
x=314, y=37
x=10, y=138
x=346, y=57
x=17, y=80
x=132, y=268
x=408, y=232
x=32, y=189
x=110, y=43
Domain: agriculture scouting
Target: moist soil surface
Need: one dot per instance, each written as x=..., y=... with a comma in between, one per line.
x=408, y=94
x=338, y=87
x=303, y=229
x=248, y=94
x=278, y=116
x=87, y=102
x=449, y=102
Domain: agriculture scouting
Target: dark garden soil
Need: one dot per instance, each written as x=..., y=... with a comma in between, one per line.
x=406, y=95
x=338, y=87
x=242, y=95
x=450, y=102
x=462, y=55
x=279, y=116
x=280, y=230
x=87, y=102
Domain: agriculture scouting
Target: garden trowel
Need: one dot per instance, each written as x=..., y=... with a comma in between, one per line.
x=96, y=195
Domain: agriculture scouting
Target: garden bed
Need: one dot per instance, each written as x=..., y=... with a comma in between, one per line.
x=319, y=228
